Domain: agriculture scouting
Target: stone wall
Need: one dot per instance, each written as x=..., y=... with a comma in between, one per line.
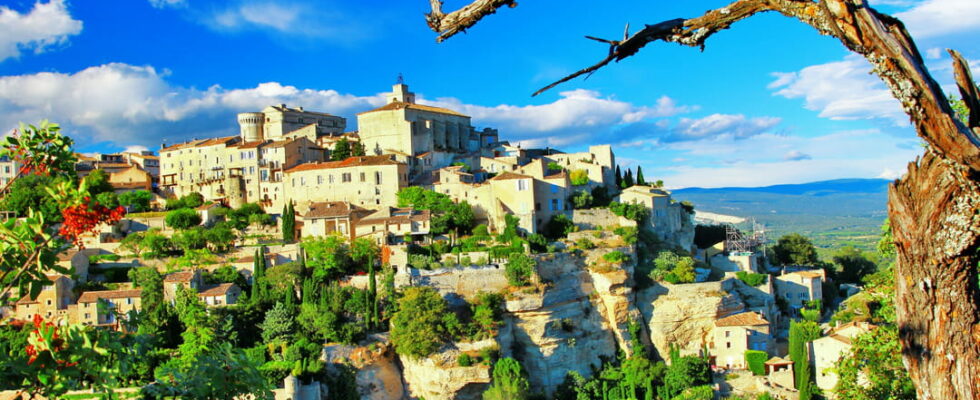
x=596, y=218
x=462, y=281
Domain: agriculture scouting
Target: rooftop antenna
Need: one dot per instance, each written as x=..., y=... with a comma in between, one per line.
x=401, y=79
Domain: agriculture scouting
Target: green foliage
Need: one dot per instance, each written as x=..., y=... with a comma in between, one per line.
x=873, y=368
x=509, y=381
x=190, y=239
x=221, y=373
x=558, y=226
x=519, y=269
x=152, y=305
x=582, y=199
x=29, y=193
x=487, y=309
x=639, y=176
x=579, y=177
x=751, y=278
x=278, y=324
x=182, y=218
x=795, y=249
x=157, y=243
x=584, y=244
x=553, y=166
x=600, y=196
x=446, y=215
x=220, y=237
x=615, y=257
x=672, y=267
x=703, y=392
x=627, y=179
x=801, y=333
x=341, y=150
x=288, y=223
x=464, y=360
x=248, y=214
x=706, y=236
x=328, y=257
x=538, y=242
x=684, y=372
x=421, y=323
x=632, y=211
x=98, y=182
x=108, y=199
x=756, y=361
x=481, y=230
x=137, y=200
x=810, y=315
x=852, y=265
x=191, y=200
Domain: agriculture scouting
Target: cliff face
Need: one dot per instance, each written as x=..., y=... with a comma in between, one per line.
x=439, y=376
x=685, y=314
x=378, y=375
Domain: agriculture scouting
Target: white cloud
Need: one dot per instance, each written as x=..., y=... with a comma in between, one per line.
x=841, y=90
x=132, y=105
x=288, y=19
x=934, y=53
x=734, y=125
x=135, y=105
x=796, y=155
x=168, y=3
x=46, y=25
x=761, y=160
x=135, y=149
x=931, y=18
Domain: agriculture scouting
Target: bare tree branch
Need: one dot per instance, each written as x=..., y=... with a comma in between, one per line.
x=447, y=25
x=968, y=89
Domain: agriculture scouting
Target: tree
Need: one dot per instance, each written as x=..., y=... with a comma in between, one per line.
x=133, y=243
x=795, y=249
x=520, y=267
x=639, y=176
x=582, y=199
x=190, y=239
x=28, y=193
x=366, y=251
x=418, y=328
x=341, y=150
x=137, y=200
x=328, y=257
x=258, y=275
x=157, y=243
x=220, y=237
x=944, y=363
x=98, y=182
x=558, y=226
x=801, y=333
x=221, y=373
x=579, y=177
x=619, y=177
x=199, y=330
x=684, y=372
x=152, y=304
x=852, y=265
x=509, y=381
x=288, y=223
x=278, y=324
x=628, y=178
x=108, y=199
x=357, y=149
x=182, y=218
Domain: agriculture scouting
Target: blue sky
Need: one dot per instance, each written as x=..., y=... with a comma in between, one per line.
x=769, y=101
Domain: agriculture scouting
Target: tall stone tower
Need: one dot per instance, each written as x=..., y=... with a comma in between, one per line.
x=400, y=93
x=251, y=126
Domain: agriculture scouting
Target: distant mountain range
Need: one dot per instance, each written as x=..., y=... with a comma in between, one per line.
x=834, y=211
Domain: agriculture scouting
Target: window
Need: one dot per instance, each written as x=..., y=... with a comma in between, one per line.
x=728, y=333
x=319, y=179
x=294, y=182
x=302, y=181
x=129, y=300
x=363, y=177
x=377, y=177
x=345, y=177
x=87, y=315
x=555, y=205
x=49, y=302
x=521, y=184
x=802, y=295
x=330, y=178
x=554, y=188
x=728, y=345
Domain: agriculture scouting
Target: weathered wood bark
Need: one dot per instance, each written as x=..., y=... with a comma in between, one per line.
x=934, y=209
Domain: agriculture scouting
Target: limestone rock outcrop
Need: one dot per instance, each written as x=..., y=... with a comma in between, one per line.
x=684, y=314
x=378, y=375
x=440, y=377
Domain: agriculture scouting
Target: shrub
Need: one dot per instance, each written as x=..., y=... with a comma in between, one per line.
x=553, y=166
x=182, y=218
x=582, y=199
x=538, y=242
x=615, y=257
x=137, y=201
x=585, y=244
x=464, y=360
x=559, y=226
x=632, y=211
x=421, y=323
x=519, y=269
x=481, y=230
x=751, y=278
x=756, y=361
x=579, y=177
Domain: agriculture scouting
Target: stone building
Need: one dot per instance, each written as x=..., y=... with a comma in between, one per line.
x=798, y=287
x=325, y=218
x=119, y=302
x=222, y=294
x=735, y=334
x=54, y=301
x=130, y=179
x=391, y=225
x=189, y=280
x=668, y=219
x=365, y=181
x=826, y=351
x=8, y=170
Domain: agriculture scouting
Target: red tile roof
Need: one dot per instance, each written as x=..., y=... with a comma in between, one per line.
x=358, y=161
x=749, y=318
x=92, y=297
x=329, y=209
x=182, y=276
x=217, y=290
x=509, y=175
x=398, y=105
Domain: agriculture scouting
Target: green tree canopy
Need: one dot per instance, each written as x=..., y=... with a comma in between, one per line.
x=182, y=218
x=136, y=200
x=795, y=249
x=329, y=257
x=278, y=324
x=852, y=265
x=509, y=381
x=419, y=327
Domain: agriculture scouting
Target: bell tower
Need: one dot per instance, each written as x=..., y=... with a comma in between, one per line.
x=400, y=93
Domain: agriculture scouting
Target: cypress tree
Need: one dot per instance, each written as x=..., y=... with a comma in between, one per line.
x=288, y=223
x=373, y=289
x=258, y=270
x=801, y=333
x=628, y=178
x=619, y=177
x=639, y=176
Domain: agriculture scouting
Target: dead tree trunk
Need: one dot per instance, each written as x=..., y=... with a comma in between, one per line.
x=934, y=208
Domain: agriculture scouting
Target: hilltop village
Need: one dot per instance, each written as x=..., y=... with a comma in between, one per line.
x=326, y=250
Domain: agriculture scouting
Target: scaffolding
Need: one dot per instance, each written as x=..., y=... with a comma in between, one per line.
x=738, y=242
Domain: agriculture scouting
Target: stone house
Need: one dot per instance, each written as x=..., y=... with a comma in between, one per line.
x=54, y=301
x=220, y=295
x=131, y=179
x=391, y=224
x=325, y=218
x=734, y=334
x=826, y=351
x=116, y=302
x=190, y=280
x=367, y=181
x=800, y=286
x=668, y=219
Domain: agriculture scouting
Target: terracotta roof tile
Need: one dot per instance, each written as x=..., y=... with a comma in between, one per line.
x=330, y=209
x=509, y=175
x=358, y=161
x=217, y=290
x=749, y=318
x=91, y=297
x=398, y=105
x=182, y=276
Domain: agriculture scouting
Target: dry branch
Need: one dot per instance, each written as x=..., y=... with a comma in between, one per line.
x=447, y=25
